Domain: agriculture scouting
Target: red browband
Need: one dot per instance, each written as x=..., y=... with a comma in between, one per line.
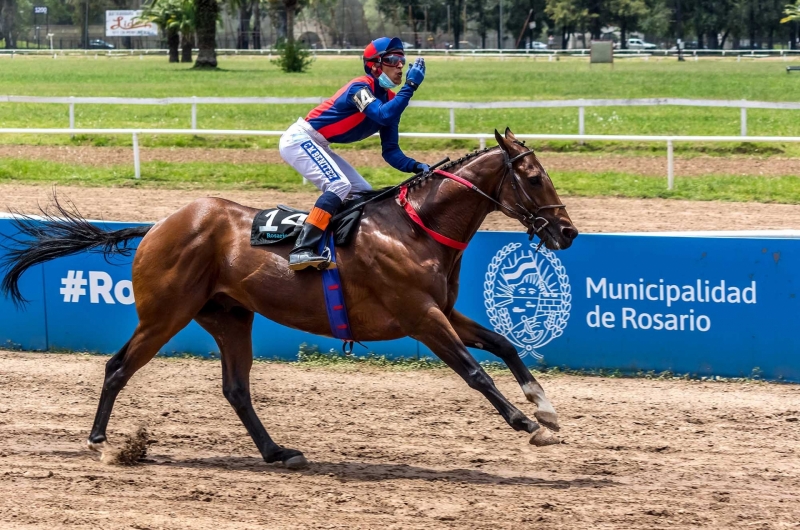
x=412, y=213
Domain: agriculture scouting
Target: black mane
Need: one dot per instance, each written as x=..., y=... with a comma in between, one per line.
x=468, y=156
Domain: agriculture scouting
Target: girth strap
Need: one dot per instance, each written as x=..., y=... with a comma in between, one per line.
x=334, y=297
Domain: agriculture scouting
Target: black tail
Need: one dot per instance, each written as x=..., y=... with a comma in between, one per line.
x=55, y=235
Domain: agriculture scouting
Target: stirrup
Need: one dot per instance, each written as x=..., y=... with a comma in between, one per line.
x=308, y=259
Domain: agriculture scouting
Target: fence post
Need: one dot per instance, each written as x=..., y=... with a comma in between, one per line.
x=744, y=121
x=483, y=143
x=581, y=121
x=194, y=112
x=670, y=166
x=72, y=114
x=137, y=172
x=452, y=121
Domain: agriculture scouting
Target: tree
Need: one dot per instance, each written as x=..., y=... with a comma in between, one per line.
x=163, y=13
x=290, y=6
x=256, y=24
x=478, y=10
x=293, y=56
x=8, y=28
x=792, y=12
x=626, y=13
x=176, y=18
x=247, y=9
x=245, y=14
x=455, y=14
x=426, y=16
x=657, y=19
x=567, y=15
x=186, y=20
x=515, y=23
x=206, y=13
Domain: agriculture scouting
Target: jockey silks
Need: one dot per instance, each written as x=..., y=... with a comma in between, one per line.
x=360, y=109
x=309, y=153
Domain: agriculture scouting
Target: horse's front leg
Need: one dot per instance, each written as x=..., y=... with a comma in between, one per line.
x=435, y=331
x=474, y=335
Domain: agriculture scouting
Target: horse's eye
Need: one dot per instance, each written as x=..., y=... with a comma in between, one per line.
x=536, y=180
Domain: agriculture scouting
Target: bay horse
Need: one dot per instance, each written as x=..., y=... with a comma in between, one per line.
x=398, y=281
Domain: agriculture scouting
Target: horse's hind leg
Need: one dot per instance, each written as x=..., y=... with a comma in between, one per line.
x=477, y=336
x=150, y=335
x=232, y=330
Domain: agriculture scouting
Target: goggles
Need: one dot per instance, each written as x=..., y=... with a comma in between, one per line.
x=394, y=60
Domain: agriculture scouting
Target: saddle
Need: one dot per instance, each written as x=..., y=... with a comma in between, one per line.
x=283, y=224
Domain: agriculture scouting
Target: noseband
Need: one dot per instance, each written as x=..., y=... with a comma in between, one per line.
x=527, y=217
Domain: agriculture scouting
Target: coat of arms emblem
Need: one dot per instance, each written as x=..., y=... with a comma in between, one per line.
x=527, y=296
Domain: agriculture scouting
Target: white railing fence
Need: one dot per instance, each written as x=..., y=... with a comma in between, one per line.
x=581, y=104
x=481, y=137
x=464, y=52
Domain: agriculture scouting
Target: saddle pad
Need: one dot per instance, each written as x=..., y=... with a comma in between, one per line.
x=278, y=225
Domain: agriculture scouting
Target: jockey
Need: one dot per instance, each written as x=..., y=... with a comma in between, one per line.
x=362, y=107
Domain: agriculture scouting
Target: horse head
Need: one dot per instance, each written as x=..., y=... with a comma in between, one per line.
x=527, y=193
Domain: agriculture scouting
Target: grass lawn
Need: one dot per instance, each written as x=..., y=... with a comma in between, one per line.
x=482, y=79
x=282, y=177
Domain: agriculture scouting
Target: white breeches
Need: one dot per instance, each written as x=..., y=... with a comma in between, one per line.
x=310, y=154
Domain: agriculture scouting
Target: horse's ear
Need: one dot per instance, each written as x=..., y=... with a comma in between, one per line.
x=501, y=141
x=510, y=135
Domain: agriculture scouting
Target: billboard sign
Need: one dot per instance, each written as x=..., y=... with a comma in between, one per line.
x=724, y=306
x=128, y=23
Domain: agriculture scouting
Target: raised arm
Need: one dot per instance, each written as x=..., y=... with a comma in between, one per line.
x=387, y=113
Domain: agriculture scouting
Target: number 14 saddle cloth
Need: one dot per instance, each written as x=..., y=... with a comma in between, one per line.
x=282, y=225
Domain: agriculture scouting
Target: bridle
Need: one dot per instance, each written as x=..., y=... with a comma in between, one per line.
x=525, y=216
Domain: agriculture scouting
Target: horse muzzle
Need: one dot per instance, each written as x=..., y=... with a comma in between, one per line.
x=556, y=234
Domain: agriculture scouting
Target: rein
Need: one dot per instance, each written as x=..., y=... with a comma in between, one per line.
x=525, y=216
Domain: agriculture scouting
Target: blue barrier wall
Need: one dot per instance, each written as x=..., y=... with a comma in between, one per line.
x=702, y=305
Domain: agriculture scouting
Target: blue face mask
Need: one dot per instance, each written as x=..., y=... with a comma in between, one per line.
x=385, y=82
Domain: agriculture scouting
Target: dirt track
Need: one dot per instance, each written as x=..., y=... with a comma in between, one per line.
x=394, y=450
x=398, y=449
x=588, y=214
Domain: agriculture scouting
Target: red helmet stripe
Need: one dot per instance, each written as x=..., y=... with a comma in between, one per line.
x=370, y=51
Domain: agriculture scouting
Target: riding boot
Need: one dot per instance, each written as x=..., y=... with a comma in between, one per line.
x=305, y=253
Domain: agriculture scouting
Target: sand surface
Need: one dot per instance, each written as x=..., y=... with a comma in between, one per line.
x=393, y=450
x=602, y=214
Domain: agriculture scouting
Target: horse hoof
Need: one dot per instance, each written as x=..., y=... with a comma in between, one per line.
x=107, y=453
x=97, y=447
x=296, y=462
x=543, y=437
x=548, y=419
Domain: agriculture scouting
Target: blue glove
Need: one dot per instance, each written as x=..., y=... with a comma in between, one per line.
x=416, y=73
x=421, y=168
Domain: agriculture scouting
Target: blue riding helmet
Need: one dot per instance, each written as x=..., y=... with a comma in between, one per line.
x=378, y=48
